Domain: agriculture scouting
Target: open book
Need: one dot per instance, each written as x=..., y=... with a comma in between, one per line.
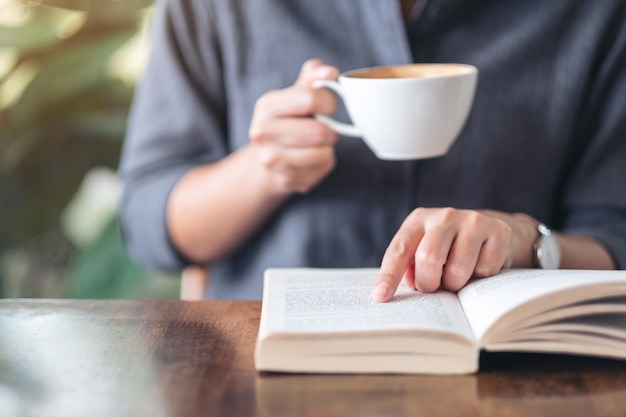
x=324, y=321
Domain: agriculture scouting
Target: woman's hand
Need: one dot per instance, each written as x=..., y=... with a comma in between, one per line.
x=294, y=148
x=445, y=247
x=289, y=152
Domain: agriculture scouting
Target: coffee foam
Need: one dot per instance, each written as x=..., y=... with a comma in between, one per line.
x=412, y=71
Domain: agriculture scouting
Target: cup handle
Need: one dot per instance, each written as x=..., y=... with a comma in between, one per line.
x=338, y=127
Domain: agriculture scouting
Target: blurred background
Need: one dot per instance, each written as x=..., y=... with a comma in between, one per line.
x=67, y=73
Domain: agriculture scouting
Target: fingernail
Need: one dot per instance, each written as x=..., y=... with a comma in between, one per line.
x=380, y=292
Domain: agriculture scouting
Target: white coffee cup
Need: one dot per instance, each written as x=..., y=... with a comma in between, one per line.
x=405, y=112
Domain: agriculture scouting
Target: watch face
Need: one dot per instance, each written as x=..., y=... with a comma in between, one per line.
x=549, y=252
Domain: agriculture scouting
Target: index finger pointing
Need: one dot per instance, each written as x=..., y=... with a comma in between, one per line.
x=398, y=256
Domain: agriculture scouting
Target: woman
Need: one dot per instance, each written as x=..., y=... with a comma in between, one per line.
x=225, y=167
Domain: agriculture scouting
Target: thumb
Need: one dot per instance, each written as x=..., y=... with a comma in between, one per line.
x=313, y=70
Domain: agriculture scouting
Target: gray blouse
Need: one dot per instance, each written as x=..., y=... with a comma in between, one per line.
x=546, y=135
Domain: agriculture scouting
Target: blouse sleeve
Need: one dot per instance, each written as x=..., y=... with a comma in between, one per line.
x=176, y=122
x=595, y=192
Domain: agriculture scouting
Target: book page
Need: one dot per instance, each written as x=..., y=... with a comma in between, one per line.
x=338, y=300
x=609, y=327
x=485, y=300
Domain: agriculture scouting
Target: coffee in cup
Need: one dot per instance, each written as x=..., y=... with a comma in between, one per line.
x=405, y=112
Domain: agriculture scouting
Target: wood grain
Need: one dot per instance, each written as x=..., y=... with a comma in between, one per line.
x=176, y=358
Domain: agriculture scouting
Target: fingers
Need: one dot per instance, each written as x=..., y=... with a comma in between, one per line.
x=313, y=70
x=400, y=254
x=297, y=169
x=465, y=250
x=296, y=101
x=461, y=263
x=409, y=276
x=432, y=254
x=293, y=132
x=300, y=99
x=295, y=149
x=493, y=249
x=444, y=248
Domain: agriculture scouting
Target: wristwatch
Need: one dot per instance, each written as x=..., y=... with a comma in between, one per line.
x=546, y=249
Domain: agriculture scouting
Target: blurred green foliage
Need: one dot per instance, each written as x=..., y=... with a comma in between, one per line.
x=66, y=85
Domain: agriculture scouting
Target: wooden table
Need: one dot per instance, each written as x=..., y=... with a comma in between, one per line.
x=176, y=358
